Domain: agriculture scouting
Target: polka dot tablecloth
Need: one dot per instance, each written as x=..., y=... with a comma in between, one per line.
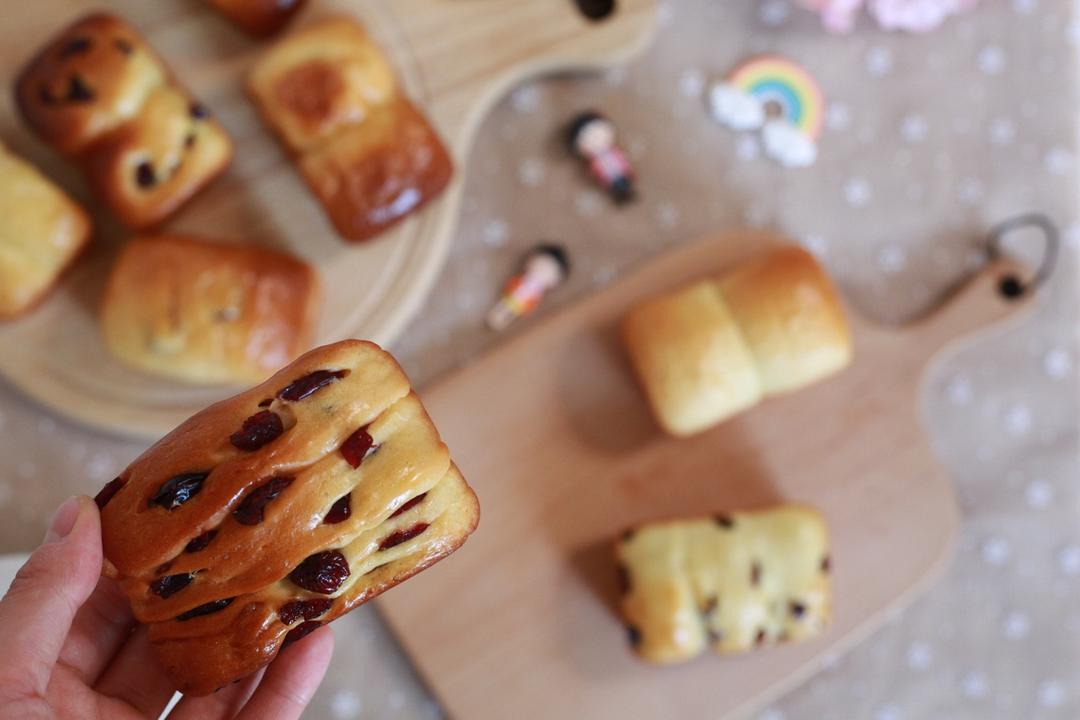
x=928, y=141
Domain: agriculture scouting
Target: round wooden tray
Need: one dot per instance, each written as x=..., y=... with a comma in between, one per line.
x=454, y=57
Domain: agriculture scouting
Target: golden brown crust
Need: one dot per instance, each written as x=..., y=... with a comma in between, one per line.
x=710, y=350
x=260, y=18
x=42, y=232
x=367, y=153
x=731, y=582
x=98, y=93
x=205, y=312
x=410, y=507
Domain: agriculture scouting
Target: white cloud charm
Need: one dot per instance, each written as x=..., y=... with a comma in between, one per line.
x=734, y=108
x=788, y=145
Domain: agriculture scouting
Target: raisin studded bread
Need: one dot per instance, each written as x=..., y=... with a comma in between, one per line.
x=100, y=95
x=206, y=312
x=42, y=231
x=367, y=153
x=279, y=510
x=732, y=582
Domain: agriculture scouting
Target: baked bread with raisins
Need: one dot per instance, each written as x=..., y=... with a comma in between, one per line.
x=731, y=582
x=100, y=95
x=369, y=155
x=42, y=231
x=260, y=18
x=281, y=509
x=206, y=312
x=710, y=350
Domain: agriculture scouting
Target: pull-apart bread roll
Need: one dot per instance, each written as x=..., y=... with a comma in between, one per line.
x=41, y=232
x=367, y=153
x=732, y=582
x=258, y=17
x=100, y=95
x=206, y=312
x=279, y=510
x=710, y=350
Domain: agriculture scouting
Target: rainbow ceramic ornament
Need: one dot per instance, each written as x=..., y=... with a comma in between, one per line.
x=777, y=96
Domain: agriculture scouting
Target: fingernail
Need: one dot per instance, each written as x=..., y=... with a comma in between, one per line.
x=63, y=520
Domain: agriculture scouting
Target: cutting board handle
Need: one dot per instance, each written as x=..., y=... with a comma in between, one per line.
x=470, y=52
x=981, y=302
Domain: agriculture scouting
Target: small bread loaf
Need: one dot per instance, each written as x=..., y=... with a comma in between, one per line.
x=279, y=510
x=260, y=18
x=205, y=312
x=710, y=350
x=41, y=232
x=364, y=149
x=100, y=95
x=732, y=582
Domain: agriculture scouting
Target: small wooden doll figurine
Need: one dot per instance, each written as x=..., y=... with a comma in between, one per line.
x=545, y=267
x=591, y=137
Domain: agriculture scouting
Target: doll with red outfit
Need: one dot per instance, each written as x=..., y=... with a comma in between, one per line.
x=591, y=137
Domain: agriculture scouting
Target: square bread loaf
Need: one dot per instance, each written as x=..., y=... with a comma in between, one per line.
x=206, y=312
x=41, y=232
x=370, y=157
x=731, y=582
x=281, y=509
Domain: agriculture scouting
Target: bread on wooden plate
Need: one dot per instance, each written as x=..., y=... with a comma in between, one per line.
x=712, y=349
x=100, y=95
x=730, y=582
x=279, y=510
x=206, y=312
x=42, y=231
x=260, y=18
x=371, y=158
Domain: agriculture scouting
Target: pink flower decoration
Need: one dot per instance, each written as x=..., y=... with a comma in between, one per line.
x=838, y=16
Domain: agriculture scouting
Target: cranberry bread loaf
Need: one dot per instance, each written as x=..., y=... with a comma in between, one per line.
x=204, y=312
x=260, y=18
x=41, y=232
x=100, y=95
x=281, y=509
x=710, y=350
x=732, y=582
x=367, y=153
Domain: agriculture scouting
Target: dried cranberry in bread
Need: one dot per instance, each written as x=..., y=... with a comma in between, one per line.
x=229, y=534
x=258, y=17
x=731, y=582
x=367, y=153
x=99, y=94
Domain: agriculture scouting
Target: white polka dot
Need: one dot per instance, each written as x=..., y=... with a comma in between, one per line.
x=1018, y=420
x=665, y=13
x=991, y=60
x=757, y=215
x=1072, y=32
x=892, y=259
x=838, y=116
x=526, y=98
x=816, y=244
x=1002, y=131
x=101, y=466
x=396, y=700
x=773, y=12
x=531, y=172
x=970, y=191
x=914, y=128
x=1051, y=693
x=1039, y=494
x=1058, y=161
x=667, y=215
x=692, y=82
x=466, y=301
x=1025, y=7
x=616, y=76
x=996, y=551
x=1058, y=363
x=887, y=712
x=1069, y=560
x=1016, y=625
x=46, y=426
x=919, y=655
x=587, y=203
x=747, y=147
x=604, y=274
x=771, y=714
x=975, y=684
x=495, y=233
x=879, y=61
x=345, y=704
x=1072, y=235
x=857, y=192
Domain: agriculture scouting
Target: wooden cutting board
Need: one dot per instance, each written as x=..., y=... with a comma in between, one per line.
x=455, y=58
x=555, y=437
